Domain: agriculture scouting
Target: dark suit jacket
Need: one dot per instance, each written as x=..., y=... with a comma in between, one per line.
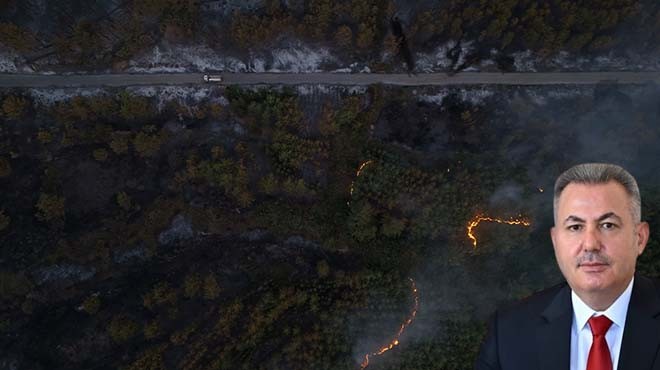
x=535, y=334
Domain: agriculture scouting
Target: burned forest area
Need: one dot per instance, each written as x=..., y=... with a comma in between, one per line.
x=217, y=226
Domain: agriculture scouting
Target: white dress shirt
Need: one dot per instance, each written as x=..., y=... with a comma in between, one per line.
x=581, y=336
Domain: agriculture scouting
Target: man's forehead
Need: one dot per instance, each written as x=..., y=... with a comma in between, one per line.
x=592, y=201
x=594, y=192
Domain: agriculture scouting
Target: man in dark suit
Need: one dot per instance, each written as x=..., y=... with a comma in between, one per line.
x=604, y=317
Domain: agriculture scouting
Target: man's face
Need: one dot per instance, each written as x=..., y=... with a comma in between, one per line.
x=595, y=239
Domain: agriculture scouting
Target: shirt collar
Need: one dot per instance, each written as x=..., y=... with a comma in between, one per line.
x=616, y=312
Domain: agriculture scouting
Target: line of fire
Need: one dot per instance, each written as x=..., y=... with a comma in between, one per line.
x=395, y=341
x=479, y=218
x=357, y=174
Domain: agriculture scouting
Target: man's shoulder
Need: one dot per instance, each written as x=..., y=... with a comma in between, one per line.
x=649, y=283
x=653, y=280
x=539, y=301
x=535, y=303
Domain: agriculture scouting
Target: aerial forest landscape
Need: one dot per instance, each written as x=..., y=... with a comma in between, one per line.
x=300, y=225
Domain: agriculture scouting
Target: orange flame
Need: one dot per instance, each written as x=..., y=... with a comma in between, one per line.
x=475, y=221
x=362, y=167
x=357, y=174
x=404, y=325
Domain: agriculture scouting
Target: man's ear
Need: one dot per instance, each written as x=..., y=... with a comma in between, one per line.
x=642, y=236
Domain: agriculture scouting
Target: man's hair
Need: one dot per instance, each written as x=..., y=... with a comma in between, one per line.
x=600, y=173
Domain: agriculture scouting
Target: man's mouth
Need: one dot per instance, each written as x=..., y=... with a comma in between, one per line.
x=593, y=266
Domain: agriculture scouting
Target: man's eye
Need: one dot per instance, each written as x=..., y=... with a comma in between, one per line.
x=608, y=225
x=574, y=227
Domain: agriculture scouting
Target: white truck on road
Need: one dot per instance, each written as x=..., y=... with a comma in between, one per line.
x=212, y=78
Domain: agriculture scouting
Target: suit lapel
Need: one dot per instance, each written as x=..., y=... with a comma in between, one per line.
x=641, y=336
x=554, y=332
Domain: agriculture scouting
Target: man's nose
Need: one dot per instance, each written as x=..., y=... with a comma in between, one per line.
x=591, y=239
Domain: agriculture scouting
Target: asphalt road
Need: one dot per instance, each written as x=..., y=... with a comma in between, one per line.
x=326, y=78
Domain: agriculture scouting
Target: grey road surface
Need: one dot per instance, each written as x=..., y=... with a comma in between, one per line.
x=325, y=78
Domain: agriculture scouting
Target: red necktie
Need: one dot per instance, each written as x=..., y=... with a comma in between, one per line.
x=599, y=354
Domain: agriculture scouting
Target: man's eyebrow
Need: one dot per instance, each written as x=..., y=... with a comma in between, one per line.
x=574, y=219
x=609, y=215
x=605, y=216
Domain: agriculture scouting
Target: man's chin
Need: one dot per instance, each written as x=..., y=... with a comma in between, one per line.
x=593, y=282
